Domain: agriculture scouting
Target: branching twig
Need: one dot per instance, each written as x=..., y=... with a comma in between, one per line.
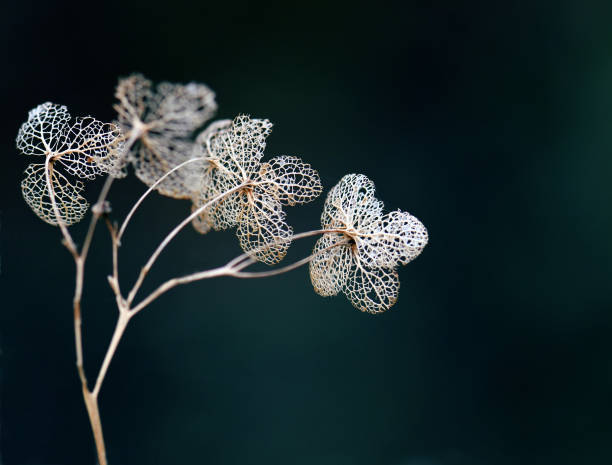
x=147, y=267
x=234, y=269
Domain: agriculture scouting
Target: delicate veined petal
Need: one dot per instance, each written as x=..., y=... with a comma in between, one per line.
x=225, y=213
x=200, y=223
x=157, y=156
x=89, y=148
x=42, y=133
x=401, y=239
x=115, y=162
x=351, y=204
x=205, y=190
x=213, y=129
x=262, y=229
x=290, y=180
x=222, y=180
x=203, y=222
x=177, y=110
x=202, y=142
x=134, y=94
x=331, y=264
x=236, y=151
x=372, y=290
x=71, y=205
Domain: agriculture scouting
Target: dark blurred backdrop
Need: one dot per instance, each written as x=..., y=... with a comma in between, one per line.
x=489, y=121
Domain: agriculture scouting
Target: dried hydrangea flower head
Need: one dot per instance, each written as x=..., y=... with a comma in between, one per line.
x=162, y=121
x=84, y=149
x=234, y=152
x=361, y=253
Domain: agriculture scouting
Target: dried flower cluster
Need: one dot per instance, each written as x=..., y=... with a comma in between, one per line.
x=360, y=253
x=85, y=149
x=233, y=153
x=162, y=122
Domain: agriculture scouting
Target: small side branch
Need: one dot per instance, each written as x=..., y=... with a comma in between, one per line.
x=172, y=283
x=122, y=322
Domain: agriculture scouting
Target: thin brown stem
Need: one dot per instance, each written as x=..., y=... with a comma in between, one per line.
x=76, y=306
x=249, y=255
x=284, y=269
x=96, y=212
x=114, y=278
x=122, y=321
x=171, y=283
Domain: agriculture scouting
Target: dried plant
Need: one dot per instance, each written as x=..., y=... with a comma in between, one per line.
x=223, y=174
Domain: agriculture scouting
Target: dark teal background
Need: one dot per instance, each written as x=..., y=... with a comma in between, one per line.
x=489, y=121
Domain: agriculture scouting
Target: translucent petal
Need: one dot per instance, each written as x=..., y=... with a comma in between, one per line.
x=71, y=205
x=202, y=222
x=226, y=212
x=116, y=161
x=262, y=229
x=156, y=156
x=351, y=204
x=289, y=180
x=372, y=290
x=401, y=239
x=203, y=140
x=42, y=132
x=134, y=94
x=330, y=266
x=236, y=150
x=90, y=147
x=205, y=186
x=177, y=110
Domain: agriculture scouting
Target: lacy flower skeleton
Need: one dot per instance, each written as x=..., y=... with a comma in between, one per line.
x=224, y=173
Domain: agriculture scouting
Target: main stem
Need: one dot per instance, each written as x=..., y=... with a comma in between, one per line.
x=90, y=399
x=91, y=403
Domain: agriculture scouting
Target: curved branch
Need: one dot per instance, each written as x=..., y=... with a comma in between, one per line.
x=149, y=190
